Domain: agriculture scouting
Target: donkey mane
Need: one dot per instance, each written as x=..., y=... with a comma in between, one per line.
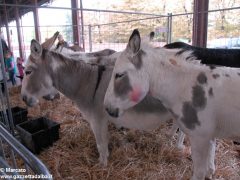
x=75, y=65
x=186, y=55
x=210, y=56
x=182, y=48
x=69, y=61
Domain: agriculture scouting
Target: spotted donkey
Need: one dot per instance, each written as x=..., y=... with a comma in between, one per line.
x=210, y=56
x=204, y=101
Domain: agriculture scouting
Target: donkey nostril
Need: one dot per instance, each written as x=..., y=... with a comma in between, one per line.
x=107, y=109
x=24, y=98
x=116, y=112
x=113, y=112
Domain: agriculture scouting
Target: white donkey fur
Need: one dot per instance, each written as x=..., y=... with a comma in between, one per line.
x=103, y=58
x=77, y=81
x=205, y=102
x=107, y=57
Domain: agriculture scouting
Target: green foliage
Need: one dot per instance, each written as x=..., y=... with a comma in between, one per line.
x=67, y=30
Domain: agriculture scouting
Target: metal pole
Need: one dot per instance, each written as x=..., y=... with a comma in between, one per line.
x=13, y=159
x=10, y=117
x=75, y=8
x=27, y=168
x=200, y=23
x=90, y=37
x=169, y=28
x=2, y=153
x=82, y=25
x=19, y=33
x=7, y=27
x=36, y=22
x=3, y=112
x=112, y=11
x=75, y=23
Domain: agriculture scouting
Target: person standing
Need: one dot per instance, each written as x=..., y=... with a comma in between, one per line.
x=20, y=68
x=10, y=67
x=5, y=47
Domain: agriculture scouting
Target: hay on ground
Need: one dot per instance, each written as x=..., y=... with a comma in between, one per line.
x=133, y=154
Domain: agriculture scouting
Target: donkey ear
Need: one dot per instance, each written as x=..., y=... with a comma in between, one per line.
x=134, y=42
x=49, y=43
x=36, y=49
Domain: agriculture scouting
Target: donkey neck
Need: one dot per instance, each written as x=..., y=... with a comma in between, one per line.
x=77, y=80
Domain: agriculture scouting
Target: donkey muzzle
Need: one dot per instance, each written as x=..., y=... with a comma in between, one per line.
x=113, y=112
x=29, y=101
x=51, y=97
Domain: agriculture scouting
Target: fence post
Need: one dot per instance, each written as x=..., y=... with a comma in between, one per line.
x=169, y=28
x=90, y=37
x=200, y=23
x=10, y=117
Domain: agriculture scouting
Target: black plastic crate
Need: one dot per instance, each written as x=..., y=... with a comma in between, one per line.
x=38, y=134
x=19, y=115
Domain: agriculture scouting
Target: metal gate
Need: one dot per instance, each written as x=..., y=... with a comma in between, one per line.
x=16, y=161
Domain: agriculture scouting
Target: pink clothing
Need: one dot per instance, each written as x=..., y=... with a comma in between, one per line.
x=20, y=66
x=20, y=70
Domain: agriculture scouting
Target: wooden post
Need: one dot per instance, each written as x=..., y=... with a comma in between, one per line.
x=7, y=27
x=19, y=33
x=75, y=23
x=36, y=21
x=200, y=23
x=82, y=25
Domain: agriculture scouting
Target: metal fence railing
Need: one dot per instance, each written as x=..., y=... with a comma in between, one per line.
x=16, y=161
x=11, y=152
x=104, y=28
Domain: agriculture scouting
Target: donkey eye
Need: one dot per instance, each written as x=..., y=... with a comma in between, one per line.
x=28, y=72
x=119, y=75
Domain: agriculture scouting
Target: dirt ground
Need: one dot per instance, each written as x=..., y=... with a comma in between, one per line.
x=133, y=154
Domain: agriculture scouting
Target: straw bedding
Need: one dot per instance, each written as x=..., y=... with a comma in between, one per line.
x=133, y=154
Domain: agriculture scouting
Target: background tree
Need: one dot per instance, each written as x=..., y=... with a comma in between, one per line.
x=120, y=32
x=221, y=24
x=67, y=29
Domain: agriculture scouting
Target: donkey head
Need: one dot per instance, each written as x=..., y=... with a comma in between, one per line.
x=129, y=82
x=37, y=82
